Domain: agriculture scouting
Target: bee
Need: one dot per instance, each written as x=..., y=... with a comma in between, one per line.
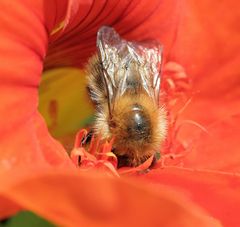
x=124, y=83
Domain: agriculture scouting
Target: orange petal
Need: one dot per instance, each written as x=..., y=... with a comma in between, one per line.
x=215, y=191
x=218, y=149
x=207, y=44
x=91, y=199
x=24, y=138
x=135, y=20
x=208, y=48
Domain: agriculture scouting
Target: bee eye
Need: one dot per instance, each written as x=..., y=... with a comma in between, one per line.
x=138, y=124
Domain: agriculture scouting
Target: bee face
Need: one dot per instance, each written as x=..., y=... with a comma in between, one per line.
x=125, y=89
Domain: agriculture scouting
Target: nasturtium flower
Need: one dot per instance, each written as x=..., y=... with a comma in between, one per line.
x=44, y=46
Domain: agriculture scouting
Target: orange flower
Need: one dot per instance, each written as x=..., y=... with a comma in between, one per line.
x=36, y=172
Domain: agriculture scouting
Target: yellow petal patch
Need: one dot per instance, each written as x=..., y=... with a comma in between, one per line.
x=64, y=102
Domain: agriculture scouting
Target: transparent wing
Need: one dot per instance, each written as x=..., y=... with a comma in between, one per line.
x=127, y=65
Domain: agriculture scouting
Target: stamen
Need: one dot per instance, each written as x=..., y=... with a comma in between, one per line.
x=98, y=155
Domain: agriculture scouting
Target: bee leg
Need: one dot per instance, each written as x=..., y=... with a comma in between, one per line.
x=156, y=157
x=123, y=160
x=87, y=139
x=85, y=143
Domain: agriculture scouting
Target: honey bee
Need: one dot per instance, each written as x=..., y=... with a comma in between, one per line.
x=124, y=84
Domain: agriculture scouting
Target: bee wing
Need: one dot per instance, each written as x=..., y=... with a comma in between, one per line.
x=118, y=58
x=149, y=55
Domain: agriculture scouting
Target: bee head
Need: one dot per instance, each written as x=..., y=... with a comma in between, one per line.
x=131, y=123
x=137, y=124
